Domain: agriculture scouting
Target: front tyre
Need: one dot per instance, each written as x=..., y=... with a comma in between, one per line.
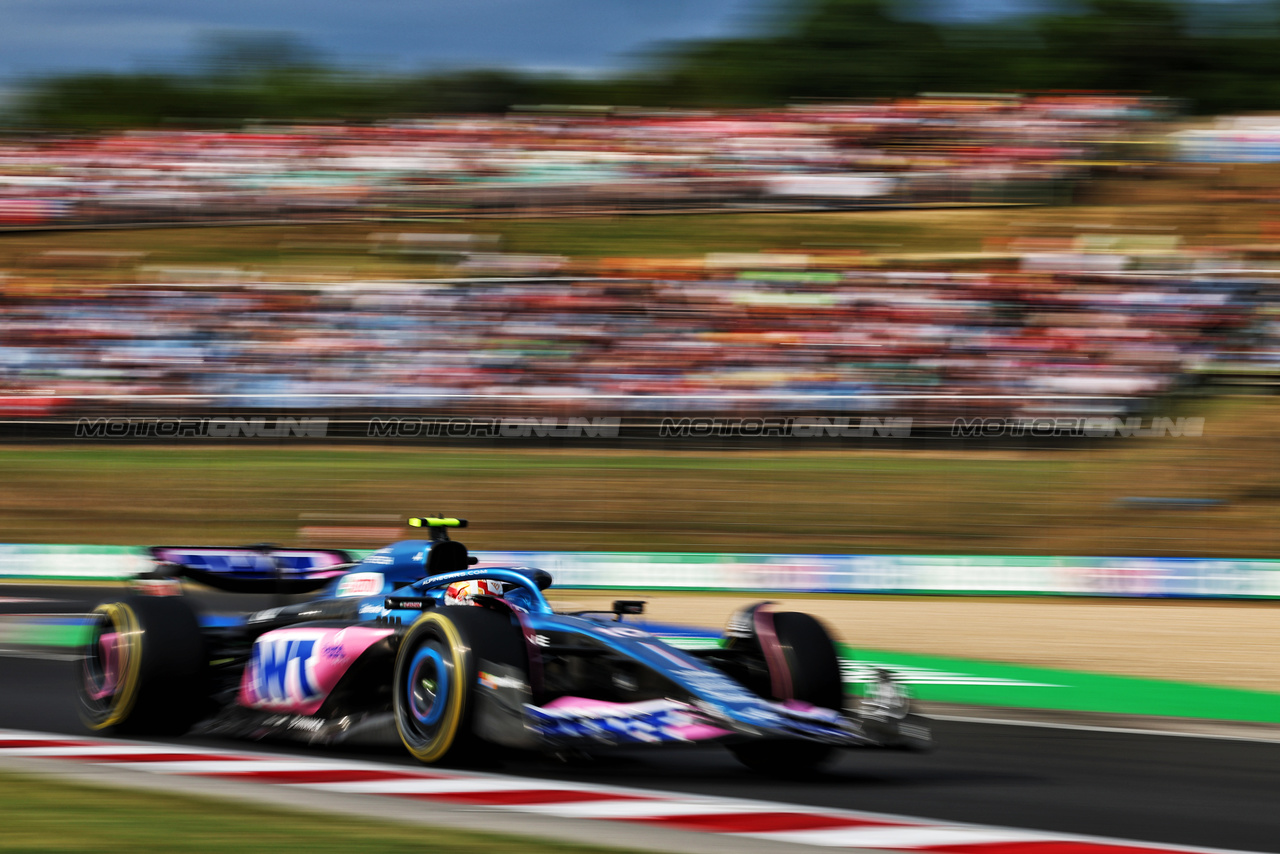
x=802, y=664
x=144, y=668
x=435, y=673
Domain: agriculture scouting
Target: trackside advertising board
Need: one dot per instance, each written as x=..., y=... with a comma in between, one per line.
x=959, y=575
x=72, y=563
x=918, y=574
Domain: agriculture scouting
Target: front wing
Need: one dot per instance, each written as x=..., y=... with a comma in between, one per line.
x=593, y=723
x=506, y=715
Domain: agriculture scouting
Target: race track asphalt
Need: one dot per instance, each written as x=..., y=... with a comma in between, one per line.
x=1182, y=790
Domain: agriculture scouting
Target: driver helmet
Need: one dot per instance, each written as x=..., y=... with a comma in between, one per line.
x=464, y=592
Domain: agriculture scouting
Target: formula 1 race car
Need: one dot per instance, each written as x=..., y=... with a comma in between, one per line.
x=416, y=641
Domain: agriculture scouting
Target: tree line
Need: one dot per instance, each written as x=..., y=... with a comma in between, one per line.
x=1213, y=56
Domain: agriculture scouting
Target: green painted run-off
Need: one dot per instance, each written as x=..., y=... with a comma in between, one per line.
x=989, y=683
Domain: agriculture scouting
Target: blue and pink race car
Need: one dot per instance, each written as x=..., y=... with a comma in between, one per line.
x=418, y=643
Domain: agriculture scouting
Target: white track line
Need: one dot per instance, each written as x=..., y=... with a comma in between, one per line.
x=449, y=785
x=1114, y=729
x=97, y=753
x=42, y=655
x=902, y=837
x=215, y=766
x=637, y=809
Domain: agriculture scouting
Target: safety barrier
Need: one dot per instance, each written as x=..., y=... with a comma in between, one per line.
x=956, y=575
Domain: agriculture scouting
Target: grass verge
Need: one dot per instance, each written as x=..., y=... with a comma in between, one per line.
x=342, y=250
x=1025, y=502
x=50, y=816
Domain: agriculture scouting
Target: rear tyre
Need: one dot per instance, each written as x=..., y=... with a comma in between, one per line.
x=803, y=664
x=435, y=676
x=144, y=669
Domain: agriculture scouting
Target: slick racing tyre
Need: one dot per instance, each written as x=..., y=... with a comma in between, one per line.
x=802, y=664
x=144, y=669
x=436, y=672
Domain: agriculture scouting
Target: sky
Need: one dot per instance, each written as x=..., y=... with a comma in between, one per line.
x=577, y=36
x=42, y=36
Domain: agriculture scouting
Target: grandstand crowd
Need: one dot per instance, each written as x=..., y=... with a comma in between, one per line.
x=998, y=344
x=920, y=150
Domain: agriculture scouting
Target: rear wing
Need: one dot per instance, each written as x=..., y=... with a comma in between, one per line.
x=437, y=526
x=252, y=569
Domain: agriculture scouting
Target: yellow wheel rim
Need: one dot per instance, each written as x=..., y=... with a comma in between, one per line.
x=439, y=744
x=129, y=649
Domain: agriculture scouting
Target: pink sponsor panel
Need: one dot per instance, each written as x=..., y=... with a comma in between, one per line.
x=293, y=670
x=693, y=730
